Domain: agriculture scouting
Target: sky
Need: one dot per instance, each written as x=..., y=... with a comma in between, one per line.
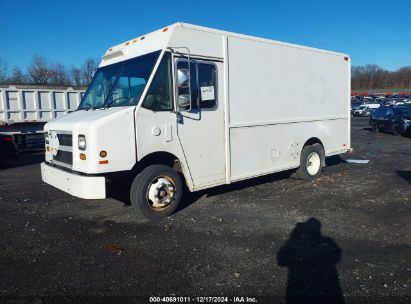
x=68, y=32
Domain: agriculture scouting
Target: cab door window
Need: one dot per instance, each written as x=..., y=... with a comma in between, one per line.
x=203, y=85
x=207, y=83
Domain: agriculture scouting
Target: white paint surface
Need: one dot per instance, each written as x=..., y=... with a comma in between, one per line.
x=272, y=97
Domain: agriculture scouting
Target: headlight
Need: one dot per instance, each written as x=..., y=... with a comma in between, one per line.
x=407, y=121
x=82, y=142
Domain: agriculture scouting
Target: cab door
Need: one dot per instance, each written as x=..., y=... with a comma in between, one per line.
x=385, y=119
x=200, y=119
x=389, y=121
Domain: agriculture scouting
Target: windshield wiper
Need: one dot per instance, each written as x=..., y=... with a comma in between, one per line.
x=91, y=107
x=114, y=100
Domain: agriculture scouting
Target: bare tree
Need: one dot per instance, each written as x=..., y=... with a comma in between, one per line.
x=39, y=70
x=59, y=75
x=18, y=77
x=372, y=76
x=88, y=69
x=75, y=76
x=3, y=70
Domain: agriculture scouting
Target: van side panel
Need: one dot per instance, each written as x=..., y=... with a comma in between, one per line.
x=280, y=97
x=270, y=148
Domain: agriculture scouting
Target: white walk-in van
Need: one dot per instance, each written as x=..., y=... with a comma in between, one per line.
x=197, y=107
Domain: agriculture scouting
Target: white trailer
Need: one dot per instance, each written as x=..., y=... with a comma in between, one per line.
x=201, y=107
x=24, y=109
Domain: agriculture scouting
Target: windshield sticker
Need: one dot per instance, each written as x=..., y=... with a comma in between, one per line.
x=207, y=93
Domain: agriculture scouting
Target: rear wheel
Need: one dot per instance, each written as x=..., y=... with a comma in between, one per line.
x=156, y=192
x=312, y=159
x=374, y=127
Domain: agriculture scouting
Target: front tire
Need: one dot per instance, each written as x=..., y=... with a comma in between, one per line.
x=311, y=164
x=395, y=129
x=156, y=192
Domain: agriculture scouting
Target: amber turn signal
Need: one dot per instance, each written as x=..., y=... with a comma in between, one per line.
x=83, y=156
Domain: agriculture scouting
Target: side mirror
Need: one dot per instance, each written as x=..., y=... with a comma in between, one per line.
x=183, y=78
x=184, y=100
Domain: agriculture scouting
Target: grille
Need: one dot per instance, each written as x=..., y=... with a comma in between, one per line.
x=65, y=139
x=64, y=157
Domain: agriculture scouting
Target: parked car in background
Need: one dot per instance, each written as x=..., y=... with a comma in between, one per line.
x=396, y=120
x=366, y=109
x=7, y=147
x=354, y=106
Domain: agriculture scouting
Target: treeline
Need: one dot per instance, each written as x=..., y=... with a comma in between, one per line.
x=42, y=72
x=372, y=76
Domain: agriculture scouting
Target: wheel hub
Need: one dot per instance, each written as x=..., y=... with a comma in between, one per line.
x=161, y=192
x=313, y=163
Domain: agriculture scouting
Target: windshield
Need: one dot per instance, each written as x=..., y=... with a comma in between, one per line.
x=382, y=111
x=119, y=84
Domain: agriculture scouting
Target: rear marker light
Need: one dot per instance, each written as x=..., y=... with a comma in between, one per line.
x=346, y=58
x=165, y=30
x=83, y=156
x=103, y=162
x=8, y=138
x=142, y=38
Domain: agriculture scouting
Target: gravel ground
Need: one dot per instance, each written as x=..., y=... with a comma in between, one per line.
x=345, y=237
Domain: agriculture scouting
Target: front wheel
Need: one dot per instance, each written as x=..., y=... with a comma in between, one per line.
x=312, y=159
x=156, y=192
x=395, y=129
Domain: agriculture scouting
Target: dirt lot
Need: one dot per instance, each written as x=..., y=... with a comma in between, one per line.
x=347, y=234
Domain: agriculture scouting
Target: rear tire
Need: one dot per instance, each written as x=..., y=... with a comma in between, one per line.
x=156, y=192
x=374, y=127
x=311, y=164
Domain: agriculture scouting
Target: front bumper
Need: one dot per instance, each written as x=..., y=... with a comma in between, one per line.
x=362, y=114
x=406, y=129
x=87, y=187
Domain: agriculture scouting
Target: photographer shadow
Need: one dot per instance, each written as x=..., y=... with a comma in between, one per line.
x=311, y=260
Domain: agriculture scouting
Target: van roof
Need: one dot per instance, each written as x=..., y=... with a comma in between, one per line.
x=255, y=38
x=159, y=39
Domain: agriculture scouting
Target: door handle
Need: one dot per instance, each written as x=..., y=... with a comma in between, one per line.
x=168, y=134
